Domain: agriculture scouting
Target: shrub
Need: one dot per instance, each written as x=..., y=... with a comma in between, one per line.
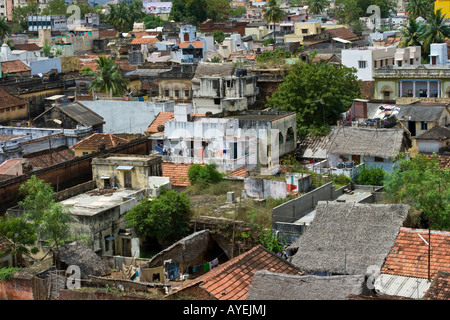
x=204, y=174
x=371, y=176
x=341, y=179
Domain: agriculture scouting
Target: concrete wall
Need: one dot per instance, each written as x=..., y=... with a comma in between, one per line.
x=45, y=65
x=264, y=188
x=295, y=209
x=16, y=289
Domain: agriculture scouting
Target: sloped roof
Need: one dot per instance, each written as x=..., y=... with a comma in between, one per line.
x=240, y=172
x=231, y=280
x=444, y=160
x=348, y=237
x=385, y=143
x=342, y=33
x=7, y=100
x=14, y=66
x=268, y=285
x=409, y=255
x=195, y=44
x=27, y=46
x=435, y=133
x=78, y=112
x=160, y=119
x=218, y=70
x=440, y=287
x=177, y=172
x=143, y=40
x=420, y=112
x=44, y=159
x=93, y=141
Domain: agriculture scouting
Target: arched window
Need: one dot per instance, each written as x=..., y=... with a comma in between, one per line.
x=186, y=37
x=280, y=138
x=290, y=134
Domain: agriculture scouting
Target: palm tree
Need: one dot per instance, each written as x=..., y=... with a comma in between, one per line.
x=419, y=8
x=273, y=14
x=316, y=6
x=120, y=17
x=5, y=29
x=109, y=78
x=435, y=31
x=411, y=34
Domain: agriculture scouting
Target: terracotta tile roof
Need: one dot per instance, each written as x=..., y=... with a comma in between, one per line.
x=248, y=57
x=160, y=119
x=93, y=140
x=195, y=44
x=27, y=46
x=444, y=160
x=440, y=287
x=14, y=66
x=7, y=100
x=107, y=33
x=177, y=172
x=45, y=158
x=231, y=280
x=6, y=165
x=409, y=255
x=240, y=172
x=342, y=33
x=151, y=41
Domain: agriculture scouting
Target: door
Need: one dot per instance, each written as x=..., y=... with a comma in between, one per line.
x=356, y=159
x=127, y=179
x=412, y=128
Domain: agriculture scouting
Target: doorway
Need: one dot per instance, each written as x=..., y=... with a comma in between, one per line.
x=127, y=179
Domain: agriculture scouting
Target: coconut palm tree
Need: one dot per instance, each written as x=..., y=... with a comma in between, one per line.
x=120, y=17
x=316, y=6
x=273, y=14
x=411, y=34
x=419, y=8
x=109, y=78
x=5, y=29
x=435, y=31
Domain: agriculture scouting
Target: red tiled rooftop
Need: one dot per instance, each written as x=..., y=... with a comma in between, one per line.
x=151, y=41
x=5, y=166
x=93, y=140
x=177, y=172
x=231, y=280
x=7, y=100
x=195, y=44
x=444, y=160
x=14, y=66
x=440, y=288
x=48, y=158
x=27, y=46
x=160, y=119
x=409, y=256
x=241, y=172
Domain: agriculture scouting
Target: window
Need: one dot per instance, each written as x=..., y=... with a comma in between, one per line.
x=362, y=64
x=215, y=84
x=280, y=138
x=379, y=159
x=290, y=134
x=304, y=31
x=411, y=61
x=177, y=93
x=186, y=93
x=375, y=63
x=386, y=95
x=424, y=125
x=216, y=101
x=166, y=93
x=85, y=153
x=399, y=63
x=106, y=243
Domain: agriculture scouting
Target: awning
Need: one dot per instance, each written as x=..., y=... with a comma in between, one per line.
x=341, y=40
x=125, y=167
x=105, y=177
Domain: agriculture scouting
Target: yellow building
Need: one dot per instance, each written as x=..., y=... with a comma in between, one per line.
x=302, y=29
x=444, y=6
x=12, y=108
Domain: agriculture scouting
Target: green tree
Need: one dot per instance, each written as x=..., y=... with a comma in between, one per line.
x=387, y=7
x=436, y=30
x=55, y=7
x=56, y=224
x=371, y=176
x=219, y=36
x=411, y=34
x=273, y=14
x=39, y=196
x=20, y=14
x=152, y=21
x=123, y=16
x=238, y=11
x=316, y=6
x=46, y=48
x=273, y=57
x=422, y=183
x=165, y=218
x=18, y=236
x=347, y=11
x=109, y=78
x=318, y=93
x=218, y=10
x=419, y=8
x=5, y=29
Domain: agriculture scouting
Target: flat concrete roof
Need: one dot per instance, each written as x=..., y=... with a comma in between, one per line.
x=95, y=201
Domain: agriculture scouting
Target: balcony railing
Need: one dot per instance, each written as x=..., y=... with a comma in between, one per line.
x=441, y=72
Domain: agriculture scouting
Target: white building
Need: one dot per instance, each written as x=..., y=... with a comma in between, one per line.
x=366, y=60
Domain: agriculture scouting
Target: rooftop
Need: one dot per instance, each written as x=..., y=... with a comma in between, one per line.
x=7, y=100
x=177, y=172
x=231, y=280
x=14, y=66
x=440, y=288
x=409, y=255
x=92, y=142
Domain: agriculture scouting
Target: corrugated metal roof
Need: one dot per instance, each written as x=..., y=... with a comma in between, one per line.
x=408, y=287
x=81, y=114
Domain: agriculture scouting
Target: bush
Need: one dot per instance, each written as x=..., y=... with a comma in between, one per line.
x=204, y=174
x=341, y=179
x=371, y=176
x=7, y=273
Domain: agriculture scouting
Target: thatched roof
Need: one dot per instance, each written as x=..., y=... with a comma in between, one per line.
x=214, y=70
x=384, y=143
x=268, y=285
x=348, y=237
x=184, y=250
x=78, y=254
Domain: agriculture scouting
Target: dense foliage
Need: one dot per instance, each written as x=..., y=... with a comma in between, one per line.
x=318, y=93
x=371, y=176
x=424, y=184
x=204, y=174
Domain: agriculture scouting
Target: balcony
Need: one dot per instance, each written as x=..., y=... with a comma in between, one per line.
x=421, y=72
